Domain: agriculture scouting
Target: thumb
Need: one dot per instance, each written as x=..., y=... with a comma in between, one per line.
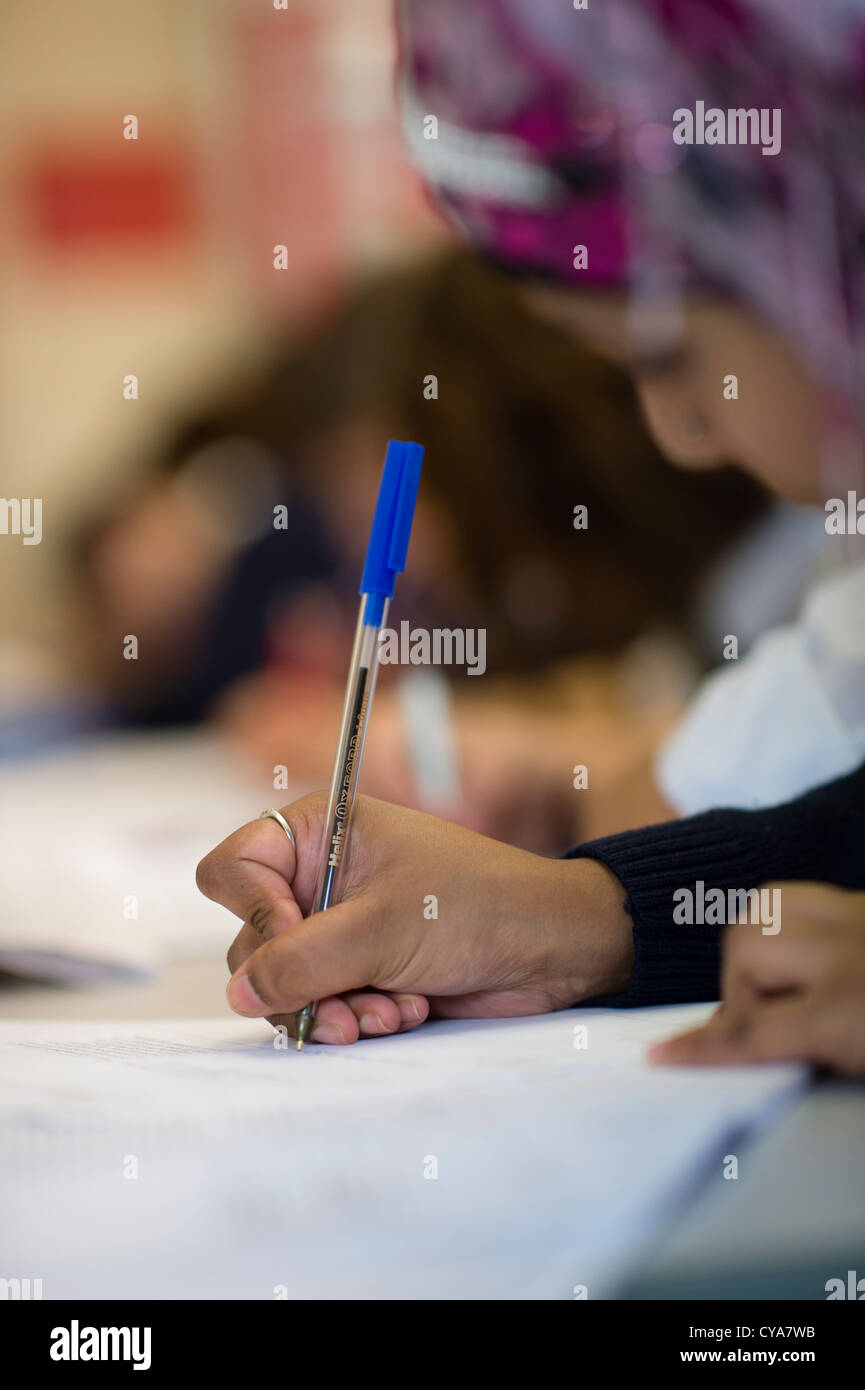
x=328, y=953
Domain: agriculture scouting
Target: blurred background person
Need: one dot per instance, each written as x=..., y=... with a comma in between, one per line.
x=243, y=619
x=183, y=188
x=724, y=272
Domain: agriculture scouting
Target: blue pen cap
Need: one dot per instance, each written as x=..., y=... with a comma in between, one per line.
x=391, y=525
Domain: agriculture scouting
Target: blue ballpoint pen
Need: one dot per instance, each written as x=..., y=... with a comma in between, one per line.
x=385, y=559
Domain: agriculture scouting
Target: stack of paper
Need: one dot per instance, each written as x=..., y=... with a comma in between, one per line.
x=483, y=1159
x=98, y=847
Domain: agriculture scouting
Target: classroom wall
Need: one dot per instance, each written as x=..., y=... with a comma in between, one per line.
x=154, y=256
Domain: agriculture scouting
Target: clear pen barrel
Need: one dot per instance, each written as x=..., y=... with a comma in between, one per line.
x=352, y=734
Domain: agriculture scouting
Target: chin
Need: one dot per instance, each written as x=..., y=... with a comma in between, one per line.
x=806, y=490
x=689, y=463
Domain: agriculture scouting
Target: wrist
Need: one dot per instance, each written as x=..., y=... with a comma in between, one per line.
x=595, y=931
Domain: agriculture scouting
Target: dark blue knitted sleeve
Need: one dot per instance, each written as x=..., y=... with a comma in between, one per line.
x=819, y=836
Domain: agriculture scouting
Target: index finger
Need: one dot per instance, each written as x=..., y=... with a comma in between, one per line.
x=251, y=873
x=777, y=1030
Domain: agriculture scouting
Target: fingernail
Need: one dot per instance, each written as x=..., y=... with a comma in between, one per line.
x=408, y=1001
x=372, y=1023
x=243, y=998
x=327, y=1033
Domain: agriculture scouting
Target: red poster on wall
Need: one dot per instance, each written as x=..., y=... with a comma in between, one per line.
x=85, y=197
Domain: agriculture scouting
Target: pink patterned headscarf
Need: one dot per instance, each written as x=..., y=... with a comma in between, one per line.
x=554, y=130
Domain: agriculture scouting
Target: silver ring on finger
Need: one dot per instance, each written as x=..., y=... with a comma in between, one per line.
x=271, y=814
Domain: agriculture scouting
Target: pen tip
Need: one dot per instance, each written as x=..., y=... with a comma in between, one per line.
x=300, y=1044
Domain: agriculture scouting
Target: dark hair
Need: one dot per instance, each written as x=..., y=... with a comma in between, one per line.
x=525, y=427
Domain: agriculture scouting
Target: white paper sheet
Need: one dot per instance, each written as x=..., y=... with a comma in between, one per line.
x=266, y=1173
x=98, y=848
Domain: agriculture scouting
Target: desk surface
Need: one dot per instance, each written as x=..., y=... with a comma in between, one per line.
x=794, y=1217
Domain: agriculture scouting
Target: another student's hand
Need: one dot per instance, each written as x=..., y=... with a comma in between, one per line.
x=516, y=770
x=512, y=786
x=432, y=918
x=799, y=995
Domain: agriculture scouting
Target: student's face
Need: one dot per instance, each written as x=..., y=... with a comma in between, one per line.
x=771, y=429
